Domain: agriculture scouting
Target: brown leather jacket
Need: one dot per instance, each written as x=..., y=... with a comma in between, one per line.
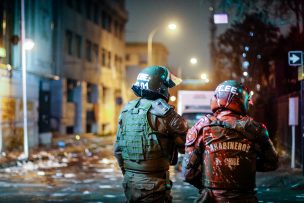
x=224, y=151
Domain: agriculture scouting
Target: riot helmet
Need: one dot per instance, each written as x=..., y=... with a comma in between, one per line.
x=231, y=95
x=153, y=82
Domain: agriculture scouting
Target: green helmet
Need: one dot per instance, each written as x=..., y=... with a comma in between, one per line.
x=232, y=95
x=153, y=82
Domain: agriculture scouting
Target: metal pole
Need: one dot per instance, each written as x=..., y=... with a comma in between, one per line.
x=24, y=96
x=293, y=146
x=150, y=39
x=302, y=121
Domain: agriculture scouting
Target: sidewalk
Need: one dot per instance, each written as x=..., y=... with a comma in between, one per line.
x=282, y=177
x=283, y=185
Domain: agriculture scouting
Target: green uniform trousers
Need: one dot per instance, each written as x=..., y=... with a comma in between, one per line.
x=147, y=188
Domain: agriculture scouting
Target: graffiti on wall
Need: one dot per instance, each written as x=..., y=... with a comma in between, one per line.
x=11, y=121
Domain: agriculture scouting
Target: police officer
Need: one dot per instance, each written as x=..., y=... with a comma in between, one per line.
x=150, y=135
x=224, y=150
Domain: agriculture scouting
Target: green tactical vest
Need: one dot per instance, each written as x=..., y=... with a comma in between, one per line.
x=138, y=140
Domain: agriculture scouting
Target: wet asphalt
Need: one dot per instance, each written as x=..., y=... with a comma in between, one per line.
x=90, y=174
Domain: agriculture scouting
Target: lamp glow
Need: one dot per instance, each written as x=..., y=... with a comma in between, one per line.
x=173, y=98
x=29, y=44
x=172, y=26
x=204, y=76
x=193, y=60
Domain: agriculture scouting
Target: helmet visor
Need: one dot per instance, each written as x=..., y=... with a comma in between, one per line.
x=173, y=80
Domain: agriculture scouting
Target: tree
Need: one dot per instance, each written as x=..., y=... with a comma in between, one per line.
x=281, y=12
x=288, y=10
x=246, y=47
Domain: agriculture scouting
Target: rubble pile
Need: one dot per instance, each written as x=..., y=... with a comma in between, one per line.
x=82, y=152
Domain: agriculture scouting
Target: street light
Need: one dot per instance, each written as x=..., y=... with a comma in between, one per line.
x=171, y=26
x=204, y=77
x=173, y=98
x=26, y=44
x=193, y=60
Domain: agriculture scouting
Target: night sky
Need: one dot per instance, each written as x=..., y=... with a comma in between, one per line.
x=191, y=39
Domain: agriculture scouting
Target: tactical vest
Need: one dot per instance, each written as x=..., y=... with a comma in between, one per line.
x=138, y=140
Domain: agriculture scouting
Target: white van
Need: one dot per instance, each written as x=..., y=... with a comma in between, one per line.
x=192, y=105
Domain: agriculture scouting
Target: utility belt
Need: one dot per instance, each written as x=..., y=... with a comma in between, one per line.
x=147, y=166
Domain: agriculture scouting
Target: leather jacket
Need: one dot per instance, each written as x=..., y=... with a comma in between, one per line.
x=224, y=151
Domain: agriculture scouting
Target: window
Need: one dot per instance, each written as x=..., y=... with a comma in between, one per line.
x=109, y=59
x=95, y=53
x=104, y=20
x=100, y=18
x=106, y=95
x=78, y=45
x=127, y=57
x=115, y=24
x=109, y=24
x=96, y=13
x=120, y=63
x=89, y=51
x=104, y=57
x=143, y=58
x=78, y=5
x=121, y=29
x=88, y=9
x=70, y=129
x=71, y=84
x=118, y=97
x=68, y=42
x=115, y=61
x=92, y=93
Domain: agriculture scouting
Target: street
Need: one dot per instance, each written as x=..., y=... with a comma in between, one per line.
x=75, y=72
x=87, y=172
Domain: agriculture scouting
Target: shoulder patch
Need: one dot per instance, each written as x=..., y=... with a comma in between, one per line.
x=160, y=107
x=204, y=121
x=191, y=136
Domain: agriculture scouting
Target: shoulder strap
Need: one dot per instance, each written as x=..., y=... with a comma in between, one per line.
x=145, y=104
x=130, y=105
x=160, y=107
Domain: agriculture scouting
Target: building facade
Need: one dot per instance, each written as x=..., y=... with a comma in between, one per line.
x=89, y=62
x=75, y=71
x=39, y=62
